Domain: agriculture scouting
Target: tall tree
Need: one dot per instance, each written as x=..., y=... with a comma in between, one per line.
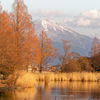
x=25, y=42
x=32, y=51
x=95, y=54
x=95, y=48
x=5, y=39
x=46, y=50
x=84, y=64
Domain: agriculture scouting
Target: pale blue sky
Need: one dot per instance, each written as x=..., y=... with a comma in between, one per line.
x=78, y=15
x=76, y=6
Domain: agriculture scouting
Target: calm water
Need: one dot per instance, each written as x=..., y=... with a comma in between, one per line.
x=56, y=91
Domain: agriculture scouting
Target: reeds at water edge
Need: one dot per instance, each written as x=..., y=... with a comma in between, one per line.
x=29, y=79
x=74, y=76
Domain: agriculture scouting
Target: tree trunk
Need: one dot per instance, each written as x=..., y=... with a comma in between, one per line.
x=14, y=78
x=40, y=69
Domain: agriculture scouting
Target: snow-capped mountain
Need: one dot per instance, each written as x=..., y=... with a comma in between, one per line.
x=80, y=43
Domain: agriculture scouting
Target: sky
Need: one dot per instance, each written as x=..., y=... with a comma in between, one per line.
x=82, y=16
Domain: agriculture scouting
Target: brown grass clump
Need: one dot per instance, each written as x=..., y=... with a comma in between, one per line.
x=26, y=80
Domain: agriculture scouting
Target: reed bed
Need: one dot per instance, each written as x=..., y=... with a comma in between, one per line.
x=28, y=79
x=75, y=76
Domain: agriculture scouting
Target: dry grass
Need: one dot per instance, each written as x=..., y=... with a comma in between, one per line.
x=30, y=80
x=75, y=76
x=23, y=79
x=26, y=80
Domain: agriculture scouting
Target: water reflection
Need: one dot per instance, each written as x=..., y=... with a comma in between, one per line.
x=56, y=91
x=46, y=88
x=80, y=90
x=68, y=90
x=27, y=93
x=5, y=95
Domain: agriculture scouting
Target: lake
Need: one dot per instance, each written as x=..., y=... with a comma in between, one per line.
x=56, y=91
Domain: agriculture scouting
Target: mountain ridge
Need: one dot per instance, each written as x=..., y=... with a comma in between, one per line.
x=57, y=32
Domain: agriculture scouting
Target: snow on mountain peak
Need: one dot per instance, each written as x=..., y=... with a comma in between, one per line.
x=46, y=20
x=50, y=24
x=53, y=29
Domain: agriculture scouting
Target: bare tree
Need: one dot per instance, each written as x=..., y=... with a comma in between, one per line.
x=46, y=50
x=65, y=58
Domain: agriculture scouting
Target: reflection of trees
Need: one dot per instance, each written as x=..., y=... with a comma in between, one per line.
x=40, y=91
x=95, y=95
x=25, y=93
x=46, y=88
x=79, y=89
x=5, y=95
